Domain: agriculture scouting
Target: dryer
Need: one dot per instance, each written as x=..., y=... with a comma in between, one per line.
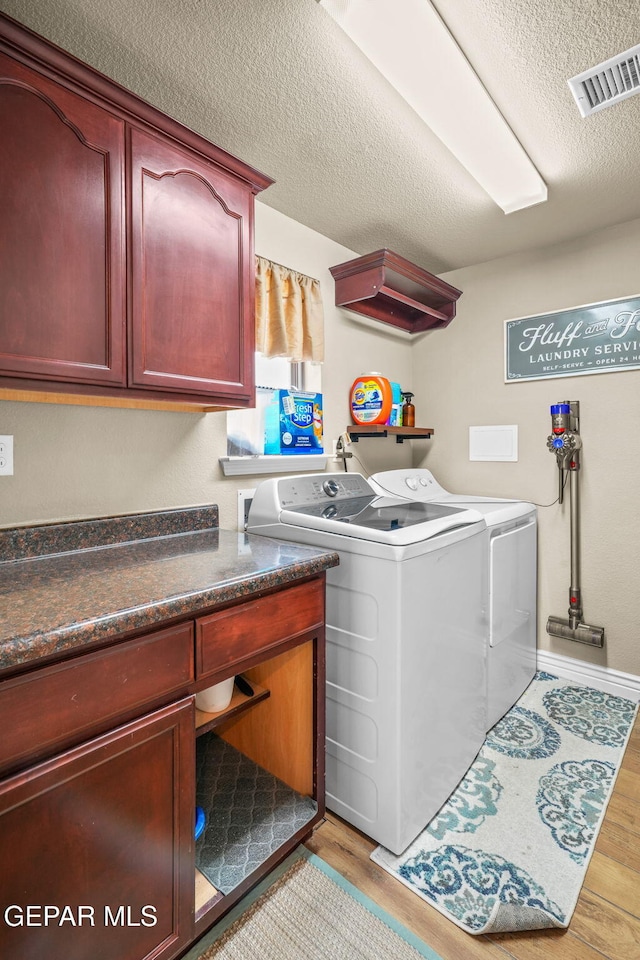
x=406, y=651
x=511, y=598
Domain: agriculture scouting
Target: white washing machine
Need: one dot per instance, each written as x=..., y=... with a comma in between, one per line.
x=406, y=651
x=511, y=582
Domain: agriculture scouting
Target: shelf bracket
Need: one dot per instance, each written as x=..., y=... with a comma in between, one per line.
x=383, y=430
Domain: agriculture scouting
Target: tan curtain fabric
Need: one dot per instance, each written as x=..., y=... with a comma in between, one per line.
x=289, y=315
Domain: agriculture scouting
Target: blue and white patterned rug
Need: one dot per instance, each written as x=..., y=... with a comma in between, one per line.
x=510, y=848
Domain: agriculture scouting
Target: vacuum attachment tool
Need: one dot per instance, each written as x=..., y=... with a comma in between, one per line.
x=582, y=632
x=566, y=443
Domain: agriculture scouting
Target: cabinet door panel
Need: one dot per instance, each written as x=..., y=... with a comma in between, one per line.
x=107, y=827
x=62, y=303
x=192, y=287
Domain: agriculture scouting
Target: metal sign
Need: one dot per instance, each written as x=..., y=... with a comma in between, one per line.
x=595, y=338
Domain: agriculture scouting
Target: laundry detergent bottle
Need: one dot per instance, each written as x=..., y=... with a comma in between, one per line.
x=370, y=399
x=395, y=418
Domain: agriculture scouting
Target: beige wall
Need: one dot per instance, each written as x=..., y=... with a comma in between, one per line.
x=74, y=462
x=459, y=377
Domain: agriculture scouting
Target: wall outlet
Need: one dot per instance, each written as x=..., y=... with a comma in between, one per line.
x=6, y=456
x=244, y=502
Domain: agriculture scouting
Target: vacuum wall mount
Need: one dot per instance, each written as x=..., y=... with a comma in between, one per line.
x=565, y=442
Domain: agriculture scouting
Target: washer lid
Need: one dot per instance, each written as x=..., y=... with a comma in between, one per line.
x=384, y=519
x=346, y=505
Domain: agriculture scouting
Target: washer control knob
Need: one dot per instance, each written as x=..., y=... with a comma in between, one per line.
x=412, y=483
x=331, y=488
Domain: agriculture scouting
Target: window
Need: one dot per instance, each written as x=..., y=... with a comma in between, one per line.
x=289, y=324
x=245, y=428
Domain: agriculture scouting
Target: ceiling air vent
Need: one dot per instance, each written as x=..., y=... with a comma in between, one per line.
x=604, y=85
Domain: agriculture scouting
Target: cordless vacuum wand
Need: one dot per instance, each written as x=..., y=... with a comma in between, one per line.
x=565, y=442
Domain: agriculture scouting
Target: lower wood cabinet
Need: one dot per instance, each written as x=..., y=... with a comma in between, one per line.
x=103, y=768
x=97, y=847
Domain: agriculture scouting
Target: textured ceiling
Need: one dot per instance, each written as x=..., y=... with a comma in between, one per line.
x=276, y=83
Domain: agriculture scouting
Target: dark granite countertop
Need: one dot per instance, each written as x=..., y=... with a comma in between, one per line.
x=55, y=603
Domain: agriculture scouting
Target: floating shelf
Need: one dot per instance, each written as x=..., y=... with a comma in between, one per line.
x=389, y=288
x=239, y=703
x=384, y=430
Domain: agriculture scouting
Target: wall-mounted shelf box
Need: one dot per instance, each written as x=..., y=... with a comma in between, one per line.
x=384, y=430
x=393, y=290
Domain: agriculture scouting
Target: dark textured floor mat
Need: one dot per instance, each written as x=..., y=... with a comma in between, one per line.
x=249, y=812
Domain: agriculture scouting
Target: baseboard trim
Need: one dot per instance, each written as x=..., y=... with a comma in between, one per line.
x=602, y=678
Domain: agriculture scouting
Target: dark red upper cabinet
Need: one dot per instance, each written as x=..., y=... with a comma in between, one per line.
x=192, y=295
x=62, y=299
x=386, y=287
x=126, y=242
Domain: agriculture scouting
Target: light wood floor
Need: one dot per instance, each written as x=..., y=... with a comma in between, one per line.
x=606, y=922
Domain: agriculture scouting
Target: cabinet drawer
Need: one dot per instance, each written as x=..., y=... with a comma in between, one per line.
x=63, y=704
x=235, y=634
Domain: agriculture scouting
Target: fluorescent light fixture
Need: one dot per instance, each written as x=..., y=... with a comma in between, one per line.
x=412, y=48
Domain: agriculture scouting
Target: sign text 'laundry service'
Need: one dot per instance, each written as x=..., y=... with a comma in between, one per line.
x=595, y=338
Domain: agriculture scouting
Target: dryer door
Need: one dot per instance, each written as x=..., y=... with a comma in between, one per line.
x=512, y=586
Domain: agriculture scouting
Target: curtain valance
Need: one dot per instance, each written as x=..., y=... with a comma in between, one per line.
x=289, y=314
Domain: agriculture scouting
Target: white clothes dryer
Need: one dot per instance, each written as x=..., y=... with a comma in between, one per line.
x=511, y=599
x=406, y=652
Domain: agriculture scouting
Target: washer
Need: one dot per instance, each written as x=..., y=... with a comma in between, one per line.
x=512, y=585
x=406, y=650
